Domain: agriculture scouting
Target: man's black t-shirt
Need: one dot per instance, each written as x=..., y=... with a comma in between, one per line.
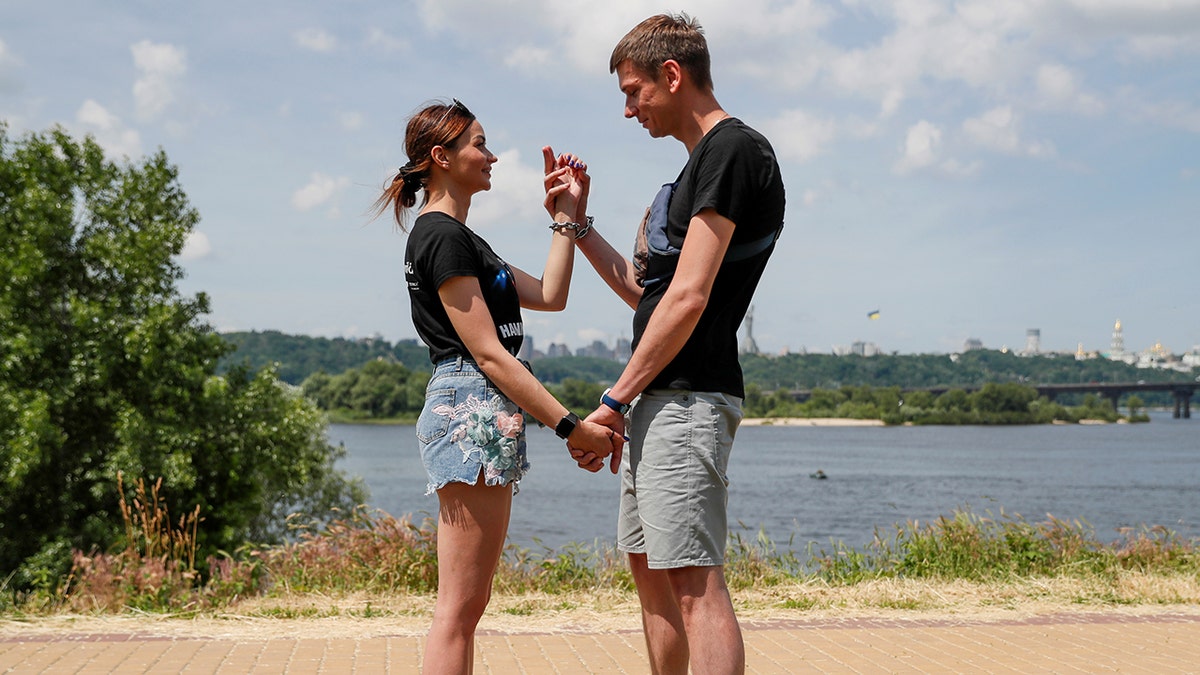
x=732, y=170
x=439, y=248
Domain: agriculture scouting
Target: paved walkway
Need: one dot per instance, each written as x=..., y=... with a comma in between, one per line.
x=1091, y=643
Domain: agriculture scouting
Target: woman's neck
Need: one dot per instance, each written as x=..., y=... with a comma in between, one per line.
x=445, y=201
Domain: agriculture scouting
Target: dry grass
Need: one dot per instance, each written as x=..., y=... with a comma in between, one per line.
x=359, y=615
x=371, y=574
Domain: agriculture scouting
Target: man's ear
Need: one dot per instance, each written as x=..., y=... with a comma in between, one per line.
x=673, y=74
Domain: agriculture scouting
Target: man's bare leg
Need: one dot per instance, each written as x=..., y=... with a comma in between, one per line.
x=709, y=621
x=662, y=621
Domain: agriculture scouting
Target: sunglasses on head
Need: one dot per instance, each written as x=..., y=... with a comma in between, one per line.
x=457, y=105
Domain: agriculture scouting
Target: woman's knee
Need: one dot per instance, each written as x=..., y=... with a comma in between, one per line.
x=463, y=610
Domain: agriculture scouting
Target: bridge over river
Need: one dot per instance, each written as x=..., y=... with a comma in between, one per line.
x=1182, y=391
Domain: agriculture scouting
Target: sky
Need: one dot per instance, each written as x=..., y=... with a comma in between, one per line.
x=969, y=169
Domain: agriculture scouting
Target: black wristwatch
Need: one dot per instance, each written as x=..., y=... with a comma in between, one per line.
x=566, y=425
x=613, y=403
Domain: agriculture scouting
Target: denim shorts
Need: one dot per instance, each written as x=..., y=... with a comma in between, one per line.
x=674, y=488
x=468, y=426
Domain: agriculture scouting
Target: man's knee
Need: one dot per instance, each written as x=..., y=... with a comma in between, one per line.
x=698, y=584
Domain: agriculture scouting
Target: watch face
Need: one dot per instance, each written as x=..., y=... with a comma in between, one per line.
x=566, y=425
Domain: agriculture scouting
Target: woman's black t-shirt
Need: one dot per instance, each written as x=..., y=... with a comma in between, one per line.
x=439, y=248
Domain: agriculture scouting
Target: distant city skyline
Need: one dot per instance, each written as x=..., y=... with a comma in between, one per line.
x=605, y=347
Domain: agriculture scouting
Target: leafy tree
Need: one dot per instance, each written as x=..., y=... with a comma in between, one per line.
x=919, y=400
x=1000, y=398
x=953, y=400
x=588, y=368
x=298, y=356
x=824, y=402
x=106, y=368
x=380, y=389
x=578, y=395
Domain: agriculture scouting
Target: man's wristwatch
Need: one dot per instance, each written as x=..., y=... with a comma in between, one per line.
x=566, y=425
x=613, y=403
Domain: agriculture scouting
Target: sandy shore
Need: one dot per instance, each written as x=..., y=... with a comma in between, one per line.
x=809, y=422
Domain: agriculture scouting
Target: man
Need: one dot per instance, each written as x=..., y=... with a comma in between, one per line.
x=708, y=236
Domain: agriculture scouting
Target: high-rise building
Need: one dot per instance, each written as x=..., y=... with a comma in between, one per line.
x=1033, y=342
x=623, y=351
x=527, y=351
x=749, y=346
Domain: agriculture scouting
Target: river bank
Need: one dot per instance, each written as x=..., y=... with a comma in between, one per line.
x=809, y=422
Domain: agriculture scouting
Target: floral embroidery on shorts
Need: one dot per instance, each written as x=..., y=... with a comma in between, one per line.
x=490, y=433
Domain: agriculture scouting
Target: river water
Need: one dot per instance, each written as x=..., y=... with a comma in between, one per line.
x=1110, y=476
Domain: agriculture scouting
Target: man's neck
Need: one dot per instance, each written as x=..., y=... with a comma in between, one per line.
x=699, y=118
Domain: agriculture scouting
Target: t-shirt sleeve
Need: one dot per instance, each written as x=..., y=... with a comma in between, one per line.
x=449, y=254
x=728, y=177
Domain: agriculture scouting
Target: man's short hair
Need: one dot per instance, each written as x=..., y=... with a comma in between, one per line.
x=665, y=37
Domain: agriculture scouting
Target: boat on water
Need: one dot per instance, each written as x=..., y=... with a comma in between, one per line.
x=818, y=474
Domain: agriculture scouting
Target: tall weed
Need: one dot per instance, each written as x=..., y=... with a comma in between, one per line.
x=366, y=550
x=156, y=568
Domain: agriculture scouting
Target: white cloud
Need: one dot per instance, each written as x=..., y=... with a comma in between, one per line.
x=921, y=146
x=378, y=39
x=1159, y=47
x=1139, y=16
x=159, y=66
x=581, y=35
x=7, y=58
x=1173, y=114
x=9, y=64
x=1057, y=87
x=108, y=130
x=315, y=39
x=516, y=194
x=955, y=167
x=999, y=129
x=528, y=58
x=981, y=44
x=351, y=121
x=320, y=190
x=799, y=136
x=196, y=247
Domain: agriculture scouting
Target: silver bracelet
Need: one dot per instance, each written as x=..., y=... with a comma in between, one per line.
x=559, y=227
x=582, y=232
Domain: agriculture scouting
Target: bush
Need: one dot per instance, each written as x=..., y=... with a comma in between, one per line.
x=105, y=368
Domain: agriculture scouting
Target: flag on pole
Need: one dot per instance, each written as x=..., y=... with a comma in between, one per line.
x=873, y=315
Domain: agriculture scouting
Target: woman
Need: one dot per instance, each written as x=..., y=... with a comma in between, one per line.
x=466, y=304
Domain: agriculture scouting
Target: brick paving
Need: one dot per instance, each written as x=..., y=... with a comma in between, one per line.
x=1064, y=643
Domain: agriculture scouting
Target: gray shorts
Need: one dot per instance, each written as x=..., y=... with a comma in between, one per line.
x=674, y=488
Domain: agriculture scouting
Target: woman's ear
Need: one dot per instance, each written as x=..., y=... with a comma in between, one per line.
x=439, y=156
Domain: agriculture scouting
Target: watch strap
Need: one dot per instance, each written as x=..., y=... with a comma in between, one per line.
x=613, y=403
